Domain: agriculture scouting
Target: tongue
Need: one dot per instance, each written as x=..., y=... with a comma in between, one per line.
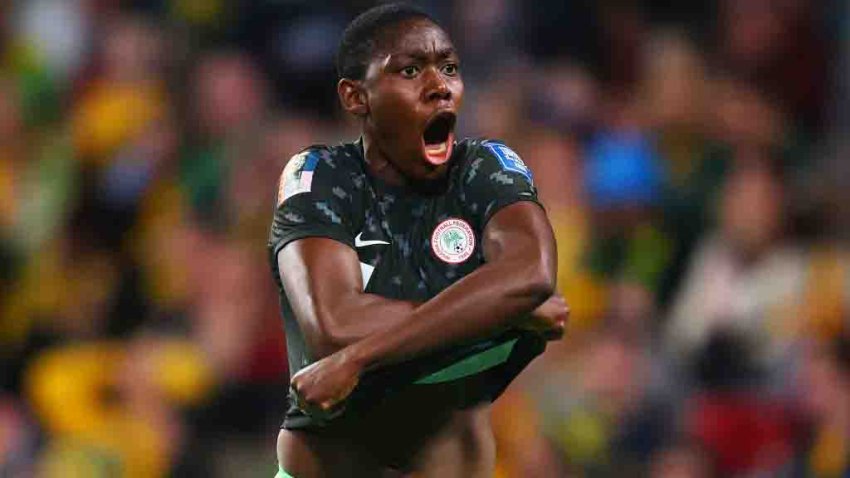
x=439, y=153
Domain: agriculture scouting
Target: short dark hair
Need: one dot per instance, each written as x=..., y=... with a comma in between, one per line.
x=359, y=39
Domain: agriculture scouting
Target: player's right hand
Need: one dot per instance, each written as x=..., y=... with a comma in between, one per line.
x=549, y=319
x=320, y=389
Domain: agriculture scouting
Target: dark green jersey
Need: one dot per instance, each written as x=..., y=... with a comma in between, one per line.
x=411, y=246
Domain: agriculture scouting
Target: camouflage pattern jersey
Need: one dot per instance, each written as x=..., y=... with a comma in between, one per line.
x=411, y=245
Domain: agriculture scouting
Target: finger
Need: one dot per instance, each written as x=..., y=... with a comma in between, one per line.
x=300, y=402
x=327, y=410
x=329, y=413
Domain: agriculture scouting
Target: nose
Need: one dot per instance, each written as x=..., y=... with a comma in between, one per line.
x=436, y=87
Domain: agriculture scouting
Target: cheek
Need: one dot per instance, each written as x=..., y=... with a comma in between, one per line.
x=457, y=92
x=392, y=108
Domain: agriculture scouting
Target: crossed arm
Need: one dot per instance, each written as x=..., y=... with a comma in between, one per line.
x=354, y=330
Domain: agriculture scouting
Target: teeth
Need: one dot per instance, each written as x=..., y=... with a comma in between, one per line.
x=439, y=149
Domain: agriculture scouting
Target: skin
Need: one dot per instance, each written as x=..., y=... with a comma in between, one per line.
x=412, y=77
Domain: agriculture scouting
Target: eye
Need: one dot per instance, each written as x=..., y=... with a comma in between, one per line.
x=410, y=71
x=450, y=69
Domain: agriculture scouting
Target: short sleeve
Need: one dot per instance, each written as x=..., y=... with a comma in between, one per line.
x=494, y=177
x=313, y=200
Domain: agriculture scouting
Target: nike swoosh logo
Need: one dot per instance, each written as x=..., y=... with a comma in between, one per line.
x=361, y=243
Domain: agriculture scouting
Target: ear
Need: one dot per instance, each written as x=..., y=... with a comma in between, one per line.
x=352, y=97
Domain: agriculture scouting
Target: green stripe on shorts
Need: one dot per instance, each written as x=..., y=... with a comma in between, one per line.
x=472, y=364
x=282, y=474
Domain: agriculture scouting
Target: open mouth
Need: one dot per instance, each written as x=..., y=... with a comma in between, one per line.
x=438, y=138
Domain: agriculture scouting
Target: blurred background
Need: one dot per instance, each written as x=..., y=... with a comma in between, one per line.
x=692, y=157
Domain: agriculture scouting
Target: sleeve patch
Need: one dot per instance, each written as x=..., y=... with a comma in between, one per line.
x=509, y=160
x=297, y=176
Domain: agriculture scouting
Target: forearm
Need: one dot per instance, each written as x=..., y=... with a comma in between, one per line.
x=330, y=307
x=325, y=291
x=361, y=316
x=481, y=303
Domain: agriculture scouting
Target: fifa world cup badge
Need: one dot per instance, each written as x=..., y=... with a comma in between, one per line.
x=453, y=241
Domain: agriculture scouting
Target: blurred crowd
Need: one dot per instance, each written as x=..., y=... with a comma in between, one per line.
x=690, y=156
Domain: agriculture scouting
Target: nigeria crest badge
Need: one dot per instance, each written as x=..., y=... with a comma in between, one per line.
x=453, y=241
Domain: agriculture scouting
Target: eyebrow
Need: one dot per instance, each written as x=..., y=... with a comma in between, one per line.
x=424, y=55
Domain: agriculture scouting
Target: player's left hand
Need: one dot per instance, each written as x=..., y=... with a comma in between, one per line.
x=320, y=389
x=549, y=319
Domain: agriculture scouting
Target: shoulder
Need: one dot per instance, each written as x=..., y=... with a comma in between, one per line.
x=321, y=157
x=319, y=166
x=489, y=154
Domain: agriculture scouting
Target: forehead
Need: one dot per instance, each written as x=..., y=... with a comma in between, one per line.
x=412, y=37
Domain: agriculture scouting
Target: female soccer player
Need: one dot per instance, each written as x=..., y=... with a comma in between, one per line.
x=416, y=272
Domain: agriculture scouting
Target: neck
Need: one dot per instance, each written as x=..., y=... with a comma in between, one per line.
x=379, y=164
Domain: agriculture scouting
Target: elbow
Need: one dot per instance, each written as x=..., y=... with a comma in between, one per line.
x=542, y=287
x=540, y=282
x=535, y=264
